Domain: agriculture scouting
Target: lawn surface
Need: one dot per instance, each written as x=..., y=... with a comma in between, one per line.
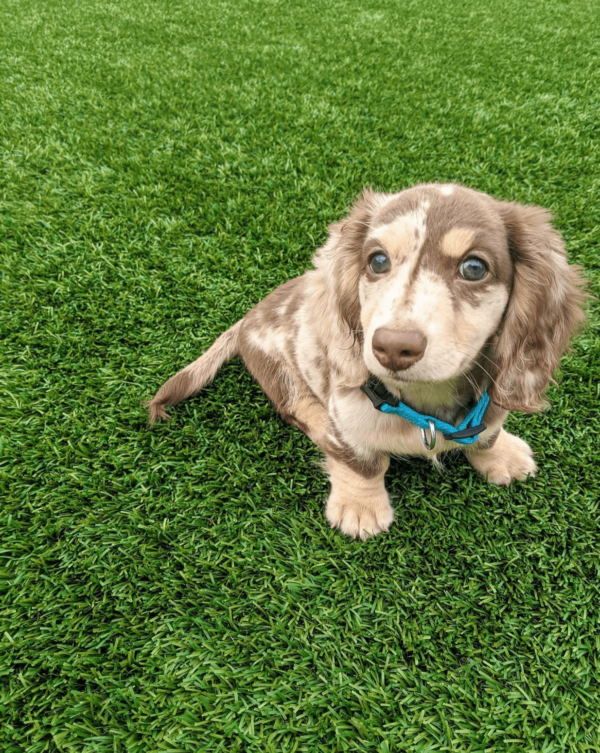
x=164, y=165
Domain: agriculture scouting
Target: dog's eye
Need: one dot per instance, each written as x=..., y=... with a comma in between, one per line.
x=473, y=269
x=379, y=263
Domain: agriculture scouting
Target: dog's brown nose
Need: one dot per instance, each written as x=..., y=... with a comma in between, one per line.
x=398, y=349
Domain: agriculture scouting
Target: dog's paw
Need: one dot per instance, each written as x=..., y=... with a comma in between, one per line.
x=359, y=519
x=508, y=459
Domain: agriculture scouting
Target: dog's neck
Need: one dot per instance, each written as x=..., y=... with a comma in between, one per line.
x=421, y=395
x=449, y=400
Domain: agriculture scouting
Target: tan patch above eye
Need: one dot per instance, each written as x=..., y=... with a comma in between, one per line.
x=406, y=233
x=457, y=241
x=395, y=237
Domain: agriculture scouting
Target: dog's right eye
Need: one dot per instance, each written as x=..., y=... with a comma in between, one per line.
x=473, y=269
x=379, y=263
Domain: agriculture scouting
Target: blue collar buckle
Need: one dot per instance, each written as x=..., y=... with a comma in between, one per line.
x=466, y=433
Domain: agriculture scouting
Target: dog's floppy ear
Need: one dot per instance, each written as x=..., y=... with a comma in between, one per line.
x=543, y=311
x=351, y=234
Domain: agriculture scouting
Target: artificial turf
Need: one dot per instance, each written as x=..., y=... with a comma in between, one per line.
x=164, y=165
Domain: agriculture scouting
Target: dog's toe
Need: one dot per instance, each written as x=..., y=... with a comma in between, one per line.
x=509, y=459
x=360, y=520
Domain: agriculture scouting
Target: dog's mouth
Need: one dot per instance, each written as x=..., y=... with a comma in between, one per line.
x=395, y=378
x=446, y=372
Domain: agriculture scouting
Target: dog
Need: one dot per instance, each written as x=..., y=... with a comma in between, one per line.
x=436, y=297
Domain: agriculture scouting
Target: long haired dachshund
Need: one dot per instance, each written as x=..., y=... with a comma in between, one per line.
x=438, y=299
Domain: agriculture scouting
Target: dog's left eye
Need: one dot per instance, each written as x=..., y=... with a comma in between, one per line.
x=379, y=263
x=473, y=269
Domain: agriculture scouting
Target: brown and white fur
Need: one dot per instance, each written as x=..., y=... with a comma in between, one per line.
x=309, y=343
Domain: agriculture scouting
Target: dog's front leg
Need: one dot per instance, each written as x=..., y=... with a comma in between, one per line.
x=358, y=503
x=507, y=458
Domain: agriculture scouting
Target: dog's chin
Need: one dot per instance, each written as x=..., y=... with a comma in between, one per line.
x=393, y=378
x=396, y=380
x=415, y=376
x=400, y=379
x=420, y=373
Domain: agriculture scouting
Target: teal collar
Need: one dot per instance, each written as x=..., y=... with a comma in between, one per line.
x=467, y=432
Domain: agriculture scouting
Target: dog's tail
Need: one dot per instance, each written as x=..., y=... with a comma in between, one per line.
x=196, y=375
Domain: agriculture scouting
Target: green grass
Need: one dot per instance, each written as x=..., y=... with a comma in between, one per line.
x=164, y=165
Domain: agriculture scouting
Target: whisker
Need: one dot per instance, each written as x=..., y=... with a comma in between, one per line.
x=477, y=353
x=486, y=372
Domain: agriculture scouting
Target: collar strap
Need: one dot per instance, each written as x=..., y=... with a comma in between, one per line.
x=467, y=431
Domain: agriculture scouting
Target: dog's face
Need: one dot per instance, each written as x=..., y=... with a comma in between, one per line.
x=436, y=277
x=432, y=275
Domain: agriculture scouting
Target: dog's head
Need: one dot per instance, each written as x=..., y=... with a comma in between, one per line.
x=432, y=276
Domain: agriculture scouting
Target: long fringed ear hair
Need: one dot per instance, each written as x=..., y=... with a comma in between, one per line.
x=351, y=234
x=543, y=311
